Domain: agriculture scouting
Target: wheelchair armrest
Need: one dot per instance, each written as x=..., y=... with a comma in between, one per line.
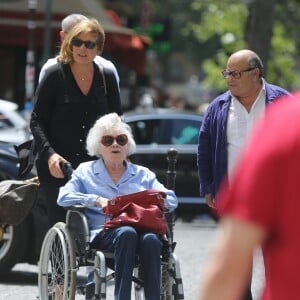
x=76, y=207
x=77, y=223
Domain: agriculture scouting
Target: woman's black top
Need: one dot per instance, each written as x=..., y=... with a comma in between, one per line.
x=63, y=115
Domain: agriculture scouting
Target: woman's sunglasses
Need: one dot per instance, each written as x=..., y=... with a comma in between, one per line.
x=87, y=44
x=108, y=140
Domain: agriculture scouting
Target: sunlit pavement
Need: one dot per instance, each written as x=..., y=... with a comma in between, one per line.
x=194, y=241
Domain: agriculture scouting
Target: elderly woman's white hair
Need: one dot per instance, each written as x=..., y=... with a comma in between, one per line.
x=101, y=126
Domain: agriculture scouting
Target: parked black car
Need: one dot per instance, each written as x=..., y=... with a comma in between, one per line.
x=20, y=243
x=155, y=132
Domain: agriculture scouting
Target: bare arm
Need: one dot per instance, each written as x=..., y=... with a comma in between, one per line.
x=229, y=267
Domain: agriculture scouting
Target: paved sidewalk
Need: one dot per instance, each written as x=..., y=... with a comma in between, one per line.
x=194, y=251
x=194, y=241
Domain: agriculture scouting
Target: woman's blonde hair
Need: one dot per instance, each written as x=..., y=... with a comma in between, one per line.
x=100, y=128
x=83, y=27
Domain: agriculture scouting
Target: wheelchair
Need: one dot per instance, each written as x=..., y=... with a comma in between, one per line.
x=66, y=249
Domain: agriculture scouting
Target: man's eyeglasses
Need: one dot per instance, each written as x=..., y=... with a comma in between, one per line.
x=87, y=44
x=236, y=74
x=108, y=140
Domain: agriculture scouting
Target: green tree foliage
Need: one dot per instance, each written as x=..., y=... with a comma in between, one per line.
x=208, y=31
x=225, y=21
x=219, y=32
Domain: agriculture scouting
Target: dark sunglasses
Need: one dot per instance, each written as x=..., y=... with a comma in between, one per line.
x=87, y=44
x=108, y=140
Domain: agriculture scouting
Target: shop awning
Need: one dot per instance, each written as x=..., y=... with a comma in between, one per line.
x=120, y=41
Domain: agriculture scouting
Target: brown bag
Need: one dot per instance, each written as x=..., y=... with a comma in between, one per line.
x=17, y=198
x=142, y=210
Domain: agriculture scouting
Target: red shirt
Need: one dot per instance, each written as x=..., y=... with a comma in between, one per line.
x=266, y=191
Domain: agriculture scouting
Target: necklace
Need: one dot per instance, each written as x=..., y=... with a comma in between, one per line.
x=84, y=76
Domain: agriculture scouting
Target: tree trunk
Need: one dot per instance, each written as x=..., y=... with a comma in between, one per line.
x=259, y=28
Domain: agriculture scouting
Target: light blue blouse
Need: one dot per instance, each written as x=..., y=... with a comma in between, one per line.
x=91, y=180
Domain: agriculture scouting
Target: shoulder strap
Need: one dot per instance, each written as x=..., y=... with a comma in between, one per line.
x=103, y=78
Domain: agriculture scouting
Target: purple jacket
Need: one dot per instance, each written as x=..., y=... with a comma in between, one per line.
x=212, y=144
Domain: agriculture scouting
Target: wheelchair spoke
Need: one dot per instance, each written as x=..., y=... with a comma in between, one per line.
x=56, y=280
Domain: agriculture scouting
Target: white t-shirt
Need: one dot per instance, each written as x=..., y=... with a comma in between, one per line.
x=239, y=126
x=99, y=60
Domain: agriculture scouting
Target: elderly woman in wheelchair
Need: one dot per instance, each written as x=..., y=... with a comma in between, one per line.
x=93, y=183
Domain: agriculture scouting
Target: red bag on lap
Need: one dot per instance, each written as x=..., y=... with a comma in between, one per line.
x=142, y=210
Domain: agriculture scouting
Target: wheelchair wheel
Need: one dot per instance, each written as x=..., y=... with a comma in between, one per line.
x=57, y=267
x=171, y=280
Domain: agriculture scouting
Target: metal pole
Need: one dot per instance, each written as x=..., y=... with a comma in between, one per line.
x=30, y=56
x=47, y=35
x=30, y=60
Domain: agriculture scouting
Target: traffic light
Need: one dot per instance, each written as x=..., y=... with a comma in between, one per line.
x=159, y=30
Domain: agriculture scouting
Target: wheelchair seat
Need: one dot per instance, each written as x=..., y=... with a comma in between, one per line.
x=66, y=248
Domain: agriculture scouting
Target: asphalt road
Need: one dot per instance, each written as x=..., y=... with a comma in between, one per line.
x=194, y=240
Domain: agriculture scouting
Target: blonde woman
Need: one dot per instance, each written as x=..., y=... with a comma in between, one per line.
x=69, y=99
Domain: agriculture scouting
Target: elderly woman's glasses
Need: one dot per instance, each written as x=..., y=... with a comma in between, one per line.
x=108, y=140
x=236, y=74
x=87, y=44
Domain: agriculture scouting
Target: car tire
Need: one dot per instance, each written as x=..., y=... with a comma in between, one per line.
x=12, y=248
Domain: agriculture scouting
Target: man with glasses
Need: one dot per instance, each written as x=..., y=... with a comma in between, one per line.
x=262, y=218
x=229, y=120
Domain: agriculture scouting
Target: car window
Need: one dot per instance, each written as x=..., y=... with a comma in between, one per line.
x=5, y=122
x=184, y=131
x=165, y=131
x=146, y=131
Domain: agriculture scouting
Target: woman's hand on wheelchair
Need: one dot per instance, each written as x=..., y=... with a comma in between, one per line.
x=54, y=163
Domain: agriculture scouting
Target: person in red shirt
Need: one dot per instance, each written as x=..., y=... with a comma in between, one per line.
x=261, y=208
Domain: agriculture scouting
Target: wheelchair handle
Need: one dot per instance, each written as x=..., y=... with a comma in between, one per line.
x=67, y=169
x=171, y=171
x=171, y=176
